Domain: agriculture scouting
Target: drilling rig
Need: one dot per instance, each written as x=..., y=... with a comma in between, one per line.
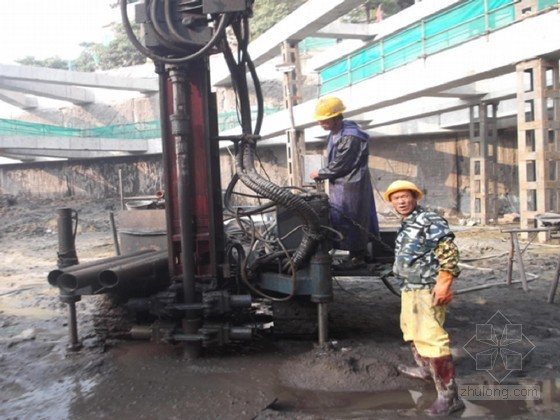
x=196, y=269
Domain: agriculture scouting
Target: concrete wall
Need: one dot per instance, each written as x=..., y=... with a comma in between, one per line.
x=439, y=165
x=96, y=178
x=431, y=162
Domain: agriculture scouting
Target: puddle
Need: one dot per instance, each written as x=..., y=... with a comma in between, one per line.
x=344, y=405
x=48, y=402
x=348, y=405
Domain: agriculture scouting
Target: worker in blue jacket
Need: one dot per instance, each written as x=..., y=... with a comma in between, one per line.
x=352, y=206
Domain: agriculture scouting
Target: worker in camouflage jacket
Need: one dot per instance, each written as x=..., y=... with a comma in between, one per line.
x=426, y=262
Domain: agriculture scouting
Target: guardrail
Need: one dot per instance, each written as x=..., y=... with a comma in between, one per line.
x=452, y=27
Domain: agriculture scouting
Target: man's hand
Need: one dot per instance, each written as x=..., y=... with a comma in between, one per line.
x=314, y=175
x=442, y=294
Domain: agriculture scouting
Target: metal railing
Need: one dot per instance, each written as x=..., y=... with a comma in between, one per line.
x=452, y=27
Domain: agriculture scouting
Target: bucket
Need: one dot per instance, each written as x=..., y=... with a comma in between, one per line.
x=140, y=205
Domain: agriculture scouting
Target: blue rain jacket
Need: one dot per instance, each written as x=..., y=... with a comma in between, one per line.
x=350, y=191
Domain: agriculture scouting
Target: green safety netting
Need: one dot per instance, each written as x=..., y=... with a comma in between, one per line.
x=449, y=28
x=143, y=130
x=543, y=4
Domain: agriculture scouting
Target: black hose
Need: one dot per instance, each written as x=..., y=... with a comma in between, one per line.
x=151, y=11
x=258, y=93
x=387, y=284
x=218, y=35
x=245, y=153
x=249, y=176
x=171, y=25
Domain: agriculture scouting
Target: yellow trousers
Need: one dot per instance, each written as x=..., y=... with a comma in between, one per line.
x=422, y=323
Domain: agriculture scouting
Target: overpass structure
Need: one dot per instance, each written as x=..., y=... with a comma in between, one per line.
x=469, y=65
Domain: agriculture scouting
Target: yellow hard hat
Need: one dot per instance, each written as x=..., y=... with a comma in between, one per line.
x=400, y=185
x=328, y=107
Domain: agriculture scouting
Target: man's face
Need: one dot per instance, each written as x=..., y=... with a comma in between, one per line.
x=328, y=124
x=404, y=202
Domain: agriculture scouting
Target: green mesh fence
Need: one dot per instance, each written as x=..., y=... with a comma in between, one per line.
x=543, y=4
x=449, y=28
x=143, y=130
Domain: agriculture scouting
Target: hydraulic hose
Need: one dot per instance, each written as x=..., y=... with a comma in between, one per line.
x=245, y=169
x=218, y=35
x=245, y=153
x=151, y=11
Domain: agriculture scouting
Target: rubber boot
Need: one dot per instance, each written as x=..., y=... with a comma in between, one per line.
x=358, y=258
x=421, y=371
x=355, y=260
x=443, y=373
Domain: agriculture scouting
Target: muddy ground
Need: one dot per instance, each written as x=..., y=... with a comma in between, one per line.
x=354, y=376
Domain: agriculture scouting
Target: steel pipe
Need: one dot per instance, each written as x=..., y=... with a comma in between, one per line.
x=71, y=281
x=53, y=275
x=66, y=237
x=124, y=273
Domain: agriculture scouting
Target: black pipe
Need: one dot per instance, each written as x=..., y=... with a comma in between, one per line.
x=53, y=275
x=88, y=276
x=67, y=257
x=123, y=274
x=185, y=192
x=66, y=237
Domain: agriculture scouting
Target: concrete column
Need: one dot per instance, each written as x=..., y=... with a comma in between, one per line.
x=538, y=133
x=483, y=158
x=295, y=140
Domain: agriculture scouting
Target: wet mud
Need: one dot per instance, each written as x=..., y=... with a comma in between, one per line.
x=353, y=376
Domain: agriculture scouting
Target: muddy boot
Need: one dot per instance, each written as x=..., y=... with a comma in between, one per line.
x=421, y=371
x=443, y=373
x=358, y=258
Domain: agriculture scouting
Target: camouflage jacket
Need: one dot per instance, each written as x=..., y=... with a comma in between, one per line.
x=424, y=246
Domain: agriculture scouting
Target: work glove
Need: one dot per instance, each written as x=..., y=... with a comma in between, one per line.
x=442, y=294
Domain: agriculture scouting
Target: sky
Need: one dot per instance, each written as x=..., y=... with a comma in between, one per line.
x=45, y=28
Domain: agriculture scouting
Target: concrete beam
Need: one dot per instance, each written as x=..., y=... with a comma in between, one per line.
x=18, y=99
x=27, y=155
x=463, y=92
x=76, y=95
x=473, y=61
x=76, y=78
x=305, y=21
x=73, y=144
x=341, y=30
